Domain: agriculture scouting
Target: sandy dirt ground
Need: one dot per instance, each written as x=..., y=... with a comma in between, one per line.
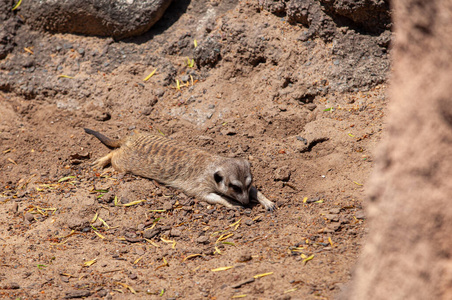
x=68, y=230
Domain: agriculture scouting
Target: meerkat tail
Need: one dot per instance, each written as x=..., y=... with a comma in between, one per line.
x=105, y=140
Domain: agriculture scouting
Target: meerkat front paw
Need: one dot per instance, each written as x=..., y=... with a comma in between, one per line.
x=256, y=195
x=269, y=205
x=213, y=198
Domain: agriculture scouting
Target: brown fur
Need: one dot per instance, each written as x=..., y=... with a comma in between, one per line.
x=198, y=173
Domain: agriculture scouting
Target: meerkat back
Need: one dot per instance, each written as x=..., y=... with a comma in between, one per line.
x=159, y=158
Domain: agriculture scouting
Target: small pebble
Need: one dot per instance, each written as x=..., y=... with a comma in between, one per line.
x=203, y=239
x=29, y=217
x=302, y=139
x=240, y=284
x=228, y=131
x=149, y=234
x=360, y=214
x=335, y=211
x=249, y=222
x=175, y=232
x=133, y=240
x=310, y=106
x=244, y=257
x=15, y=207
x=167, y=206
x=311, y=200
x=159, y=92
x=11, y=286
x=282, y=173
x=334, y=227
x=332, y=217
x=77, y=294
x=140, y=251
x=124, y=200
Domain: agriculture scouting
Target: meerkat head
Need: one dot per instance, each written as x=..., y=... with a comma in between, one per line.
x=233, y=179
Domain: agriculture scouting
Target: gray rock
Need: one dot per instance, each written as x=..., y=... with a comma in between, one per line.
x=249, y=222
x=282, y=173
x=203, y=239
x=159, y=93
x=310, y=106
x=77, y=294
x=75, y=222
x=228, y=131
x=29, y=217
x=102, y=293
x=242, y=283
x=11, y=286
x=175, y=232
x=332, y=217
x=335, y=210
x=149, y=234
x=167, y=206
x=14, y=207
x=124, y=200
x=244, y=257
x=114, y=18
x=208, y=53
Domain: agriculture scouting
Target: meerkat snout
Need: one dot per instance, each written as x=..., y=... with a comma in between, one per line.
x=233, y=179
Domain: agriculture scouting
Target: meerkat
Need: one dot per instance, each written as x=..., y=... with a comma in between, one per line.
x=198, y=173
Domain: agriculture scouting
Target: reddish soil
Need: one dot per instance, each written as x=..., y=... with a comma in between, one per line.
x=408, y=251
x=310, y=154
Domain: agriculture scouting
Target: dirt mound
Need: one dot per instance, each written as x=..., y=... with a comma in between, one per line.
x=305, y=114
x=407, y=255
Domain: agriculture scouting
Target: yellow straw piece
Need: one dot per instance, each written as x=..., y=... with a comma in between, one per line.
x=150, y=75
x=222, y=269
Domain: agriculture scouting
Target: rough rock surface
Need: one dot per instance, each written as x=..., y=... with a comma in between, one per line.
x=9, y=25
x=408, y=252
x=322, y=16
x=118, y=19
x=359, y=31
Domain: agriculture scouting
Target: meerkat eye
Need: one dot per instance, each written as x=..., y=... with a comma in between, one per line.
x=218, y=178
x=236, y=188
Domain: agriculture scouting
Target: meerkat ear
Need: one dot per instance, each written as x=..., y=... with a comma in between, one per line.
x=218, y=177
